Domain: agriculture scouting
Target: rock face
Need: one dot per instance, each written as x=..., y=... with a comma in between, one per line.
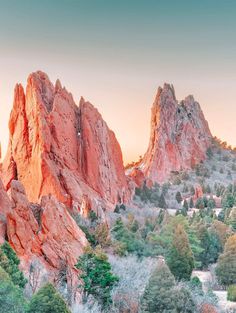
x=5, y=207
x=179, y=136
x=45, y=231
x=58, y=148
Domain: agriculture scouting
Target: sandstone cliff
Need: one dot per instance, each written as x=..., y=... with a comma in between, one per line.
x=59, y=148
x=5, y=207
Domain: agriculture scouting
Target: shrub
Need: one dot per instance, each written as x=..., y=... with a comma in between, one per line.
x=93, y=216
x=195, y=282
x=101, y=235
x=231, y=293
x=133, y=278
x=183, y=300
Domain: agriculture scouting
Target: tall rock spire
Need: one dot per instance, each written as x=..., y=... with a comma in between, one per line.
x=179, y=136
x=58, y=148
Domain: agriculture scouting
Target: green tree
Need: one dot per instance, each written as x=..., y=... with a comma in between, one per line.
x=228, y=201
x=211, y=203
x=180, y=259
x=231, y=293
x=232, y=219
x=11, y=297
x=191, y=204
x=158, y=295
x=183, y=300
x=47, y=300
x=132, y=241
x=96, y=275
x=162, y=202
x=210, y=244
x=226, y=266
x=209, y=153
x=10, y=263
x=200, y=203
x=185, y=205
x=178, y=197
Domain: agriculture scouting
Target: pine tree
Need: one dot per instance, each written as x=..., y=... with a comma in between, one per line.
x=191, y=204
x=11, y=296
x=180, y=259
x=96, y=275
x=210, y=244
x=47, y=300
x=185, y=205
x=226, y=267
x=158, y=295
x=162, y=202
x=178, y=197
x=10, y=263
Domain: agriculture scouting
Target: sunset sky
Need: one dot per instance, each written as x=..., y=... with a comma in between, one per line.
x=116, y=53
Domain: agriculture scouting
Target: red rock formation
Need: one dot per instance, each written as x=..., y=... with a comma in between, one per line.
x=179, y=137
x=50, y=234
x=5, y=206
x=5, y=203
x=198, y=192
x=137, y=176
x=59, y=148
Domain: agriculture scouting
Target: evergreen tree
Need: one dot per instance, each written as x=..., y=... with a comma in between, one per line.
x=228, y=201
x=210, y=244
x=183, y=211
x=162, y=202
x=96, y=275
x=226, y=266
x=158, y=295
x=191, y=204
x=200, y=203
x=185, y=205
x=10, y=263
x=180, y=259
x=209, y=153
x=232, y=219
x=11, y=297
x=192, y=190
x=47, y=300
x=178, y=197
x=211, y=203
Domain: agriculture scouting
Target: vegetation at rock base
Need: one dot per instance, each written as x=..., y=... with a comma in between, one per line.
x=97, y=278
x=10, y=263
x=11, y=296
x=163, y=295
x=47, y=300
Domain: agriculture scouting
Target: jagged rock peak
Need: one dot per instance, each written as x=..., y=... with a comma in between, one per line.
x=58, y=148
x=179, y=136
